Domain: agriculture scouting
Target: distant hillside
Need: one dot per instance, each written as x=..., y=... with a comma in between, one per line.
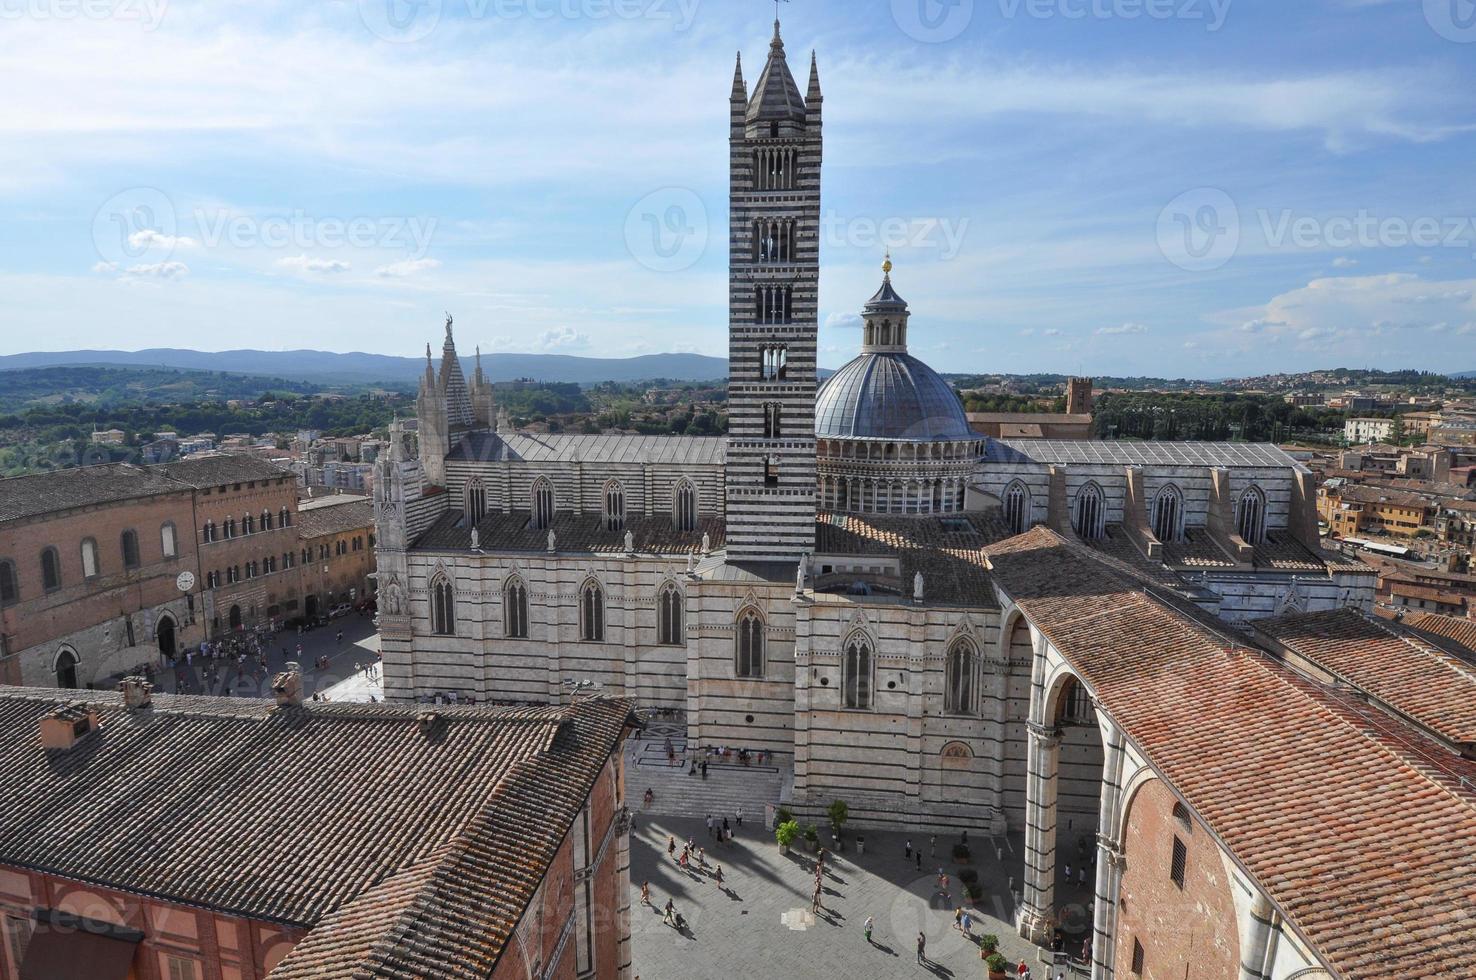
x=107, y=386
x=326, y=367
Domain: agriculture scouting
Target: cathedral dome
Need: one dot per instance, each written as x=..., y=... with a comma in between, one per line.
x=886, y=393
x=889, y=395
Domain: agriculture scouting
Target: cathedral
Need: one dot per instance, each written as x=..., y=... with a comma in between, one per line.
x=821, y=583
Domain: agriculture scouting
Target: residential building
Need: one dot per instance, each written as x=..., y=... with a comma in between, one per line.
x=1362, y=430
x=337, y=551
x=109, y=437
x=196, y=838
x=1351, y=509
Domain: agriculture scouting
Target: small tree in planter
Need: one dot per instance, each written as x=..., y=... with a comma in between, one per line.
x=782, y=815
x=997, y=966
x=989, y=941
x=838, y=812
x=812, y=838
x=785, y=834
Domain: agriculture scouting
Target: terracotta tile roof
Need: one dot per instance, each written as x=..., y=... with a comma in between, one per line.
x=1355, y=824
x=333, y=816
x=83, y=486
x=946, y=549
x=1460, y=631
x=1415, y=678
x=352, y=513
x=1429, y=593
x=88, y=486
x=572, y=532
x=1365, y=494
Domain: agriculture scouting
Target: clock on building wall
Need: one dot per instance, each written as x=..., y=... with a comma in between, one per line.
x=186, y=581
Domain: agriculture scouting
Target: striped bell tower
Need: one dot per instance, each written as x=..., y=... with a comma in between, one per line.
x=773, y=292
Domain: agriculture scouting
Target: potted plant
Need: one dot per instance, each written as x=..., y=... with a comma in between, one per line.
x=782, y=815
x=997, y=966
x=989, y=942
x=812, y=838
x=785, y=834
x=838, y=812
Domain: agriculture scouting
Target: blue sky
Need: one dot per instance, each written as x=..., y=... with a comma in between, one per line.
x=1170, y=187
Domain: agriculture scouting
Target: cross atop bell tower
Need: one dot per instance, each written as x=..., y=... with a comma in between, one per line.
x=773, y=291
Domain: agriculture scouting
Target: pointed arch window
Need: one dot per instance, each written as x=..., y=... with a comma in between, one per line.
x=592, y=613
x=285, y=517
x=50, y=569
x=129, y=542
x=749, y=646
x=856, y=672
x=669, y=612
x=89, y=558
x=1168, y=513
x=476, y=502
x=614, y=506
x=543, y=504
x=515, y=609
x=684, y=506
x=1250, y=515
x=266, y=520
x=1017, y=507
x=963, y=667
x=443, y=607
x=1089, y=515
x=248, y=525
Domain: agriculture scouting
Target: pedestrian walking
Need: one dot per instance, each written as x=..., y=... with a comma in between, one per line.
x=866, y=929
x=907, y=849
x=740, y=816
x=1082, y=875
x=968, y=924
x=671, y=846
x=670, y=914
x=1068, y=872
x=702, y=856
x=727, y=831
x=645, y=893
x=922, y=948
x=1023, y=973
x=958, y=919
x=719, y=876
x=815, y=899
x=932, y=845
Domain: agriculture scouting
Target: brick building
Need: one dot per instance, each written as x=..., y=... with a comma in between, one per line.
x=1351, y=509
x=90, y=566
x=336, y=537
x=250, y=839
x=104, y=568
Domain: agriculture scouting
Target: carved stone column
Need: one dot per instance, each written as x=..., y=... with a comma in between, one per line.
x=1036, y=915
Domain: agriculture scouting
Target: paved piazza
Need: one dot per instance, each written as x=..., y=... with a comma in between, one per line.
x=762, y=917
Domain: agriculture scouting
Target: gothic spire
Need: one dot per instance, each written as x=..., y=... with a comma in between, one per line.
x=740, y=93
x=776, y=97
x=813, y=95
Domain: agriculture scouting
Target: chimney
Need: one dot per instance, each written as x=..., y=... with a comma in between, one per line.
x=288, y=686
x=137, y=693
x=67, y=725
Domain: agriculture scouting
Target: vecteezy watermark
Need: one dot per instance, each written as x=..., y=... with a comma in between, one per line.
x=944, y=235
x=1454, y=20
x=146, y=13
x=932, y=21
x=138, y=232
x=1199, y=230
x=936, y=21
x=666, y=231
x=1211, y=12
x=1363, y=229
x=407, y=21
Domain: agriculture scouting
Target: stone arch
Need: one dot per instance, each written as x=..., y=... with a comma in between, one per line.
x=858, y=670
x=1089, y=511
x=166, y=633
x=1166, y=513
x=64, y=664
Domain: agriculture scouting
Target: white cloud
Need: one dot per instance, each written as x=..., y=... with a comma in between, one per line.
x=1344, y=262
x=406, y=268
x=1051, y=332
x=158, y=270
x=105, y=267
x=308, y=264
x=843, y=321
x=562, y=338
x=1124, y=328
x=149, y=238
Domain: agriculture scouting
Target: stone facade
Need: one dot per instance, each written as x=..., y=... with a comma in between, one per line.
x=865, y=647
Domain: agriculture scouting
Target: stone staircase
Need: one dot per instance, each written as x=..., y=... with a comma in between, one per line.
x=727, y=786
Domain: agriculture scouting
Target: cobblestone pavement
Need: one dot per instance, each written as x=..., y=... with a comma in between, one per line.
x=343, y=679
x=760, y=925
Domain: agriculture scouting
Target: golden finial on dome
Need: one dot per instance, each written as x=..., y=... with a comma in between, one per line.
x=887, y=265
